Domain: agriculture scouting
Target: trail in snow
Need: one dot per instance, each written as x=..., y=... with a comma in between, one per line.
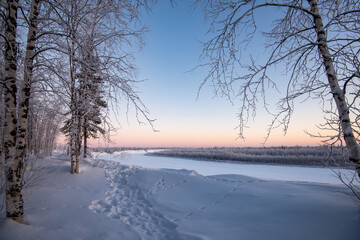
x=163, y=204
x=125, y=201
x=136, y=203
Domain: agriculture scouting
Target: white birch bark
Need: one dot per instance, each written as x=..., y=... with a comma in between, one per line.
x=78, y=142
x=22, y=128
x=73, y=119
x=73, y=97
x=338, y=94
x=13, y=167
x=85, y=138
x=2, y=121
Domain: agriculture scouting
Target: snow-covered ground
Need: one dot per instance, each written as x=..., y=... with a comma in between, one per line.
x=117, y=200
x=208, y=168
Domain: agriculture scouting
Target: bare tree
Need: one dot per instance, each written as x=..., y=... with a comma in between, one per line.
x=16, y=95
x=316, y=41
x=2, y=103
x=25, y=91
x=2, y=89
x=44, y=124
x=98, y=36
x=13, y=166
x=38, y=82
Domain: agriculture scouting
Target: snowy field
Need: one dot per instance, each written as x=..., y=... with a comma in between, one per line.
x=133, y=196
x=208, y=168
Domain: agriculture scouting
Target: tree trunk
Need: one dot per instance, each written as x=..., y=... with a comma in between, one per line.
x=73, y=107
x=338, y=94
x=13, y=167
x=22, y=127
x=73, y=111
x=84, y=97
x=85, y=137
x=2, y=119
x=78, y=140
x=30, y=147
x=72, y=132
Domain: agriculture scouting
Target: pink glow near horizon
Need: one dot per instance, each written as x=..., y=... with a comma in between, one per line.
x=195, y=141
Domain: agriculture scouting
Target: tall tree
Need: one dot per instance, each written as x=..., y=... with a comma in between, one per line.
x=316, y=40
x=16, y=105
x=2, y=77
x=98, y=36
x=93, y=102
x=13, y=166
x=24, y=94
x=44, y=58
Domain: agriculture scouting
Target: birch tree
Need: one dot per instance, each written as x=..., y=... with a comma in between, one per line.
x=44, y=124
x=16, y=104
x=316, y=41
x=13, y=167
x=101, y=34
x=2, y=77
x=60, y=22
x=24, y=94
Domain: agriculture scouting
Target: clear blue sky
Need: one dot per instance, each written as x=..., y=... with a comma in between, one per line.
x=172, y=48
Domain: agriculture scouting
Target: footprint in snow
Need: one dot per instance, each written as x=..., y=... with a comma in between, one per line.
x=216, y=203
x=127, y=203
x=189, y=214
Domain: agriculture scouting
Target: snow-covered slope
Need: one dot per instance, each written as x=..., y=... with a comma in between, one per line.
x=57, y=208
x=113, y=201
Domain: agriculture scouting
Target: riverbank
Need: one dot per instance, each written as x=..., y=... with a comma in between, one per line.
x=294, y=156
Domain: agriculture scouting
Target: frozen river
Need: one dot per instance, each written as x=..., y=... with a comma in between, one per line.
x=207, y=168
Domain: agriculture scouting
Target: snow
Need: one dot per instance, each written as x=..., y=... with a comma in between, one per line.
x=57, y=208
x=118, y=200
x=208, y=168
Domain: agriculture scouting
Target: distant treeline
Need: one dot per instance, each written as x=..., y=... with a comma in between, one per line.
x=111, y=150
x=305, y=156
